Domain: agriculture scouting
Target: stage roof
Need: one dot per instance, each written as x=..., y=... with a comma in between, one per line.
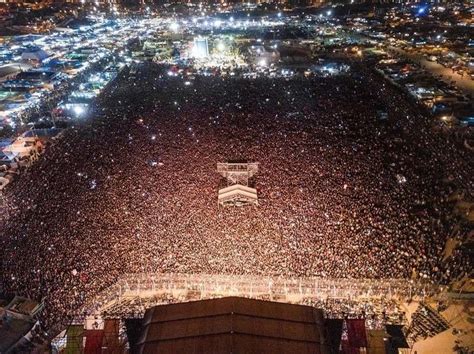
x=233, y=325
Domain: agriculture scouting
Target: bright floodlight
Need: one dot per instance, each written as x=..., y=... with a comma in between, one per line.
x=221, y=46
x=328, y=12
x=279, y=14
x=174, y=26
x=78, y=110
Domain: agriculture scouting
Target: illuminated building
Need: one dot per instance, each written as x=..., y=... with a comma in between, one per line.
x=200, y=47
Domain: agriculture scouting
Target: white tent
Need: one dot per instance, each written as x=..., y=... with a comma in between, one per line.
x=9, y=71
x=34, y=55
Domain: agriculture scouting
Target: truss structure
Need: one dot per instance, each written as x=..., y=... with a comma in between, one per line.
x=237, y=192
x=237, y=172
x=140, y=291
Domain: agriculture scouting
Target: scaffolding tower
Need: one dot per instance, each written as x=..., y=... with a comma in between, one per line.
x=238, y=192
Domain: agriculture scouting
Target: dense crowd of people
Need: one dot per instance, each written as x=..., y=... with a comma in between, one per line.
x=341, y=193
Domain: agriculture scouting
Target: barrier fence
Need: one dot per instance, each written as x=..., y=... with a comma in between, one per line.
x=189, y=287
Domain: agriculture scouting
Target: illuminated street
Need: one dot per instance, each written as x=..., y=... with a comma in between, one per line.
x=464, y=82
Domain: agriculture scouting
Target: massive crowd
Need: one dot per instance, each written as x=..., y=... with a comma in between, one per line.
x=341, y=193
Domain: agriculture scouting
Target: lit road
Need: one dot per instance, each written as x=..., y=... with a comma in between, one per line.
x=464, y=83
